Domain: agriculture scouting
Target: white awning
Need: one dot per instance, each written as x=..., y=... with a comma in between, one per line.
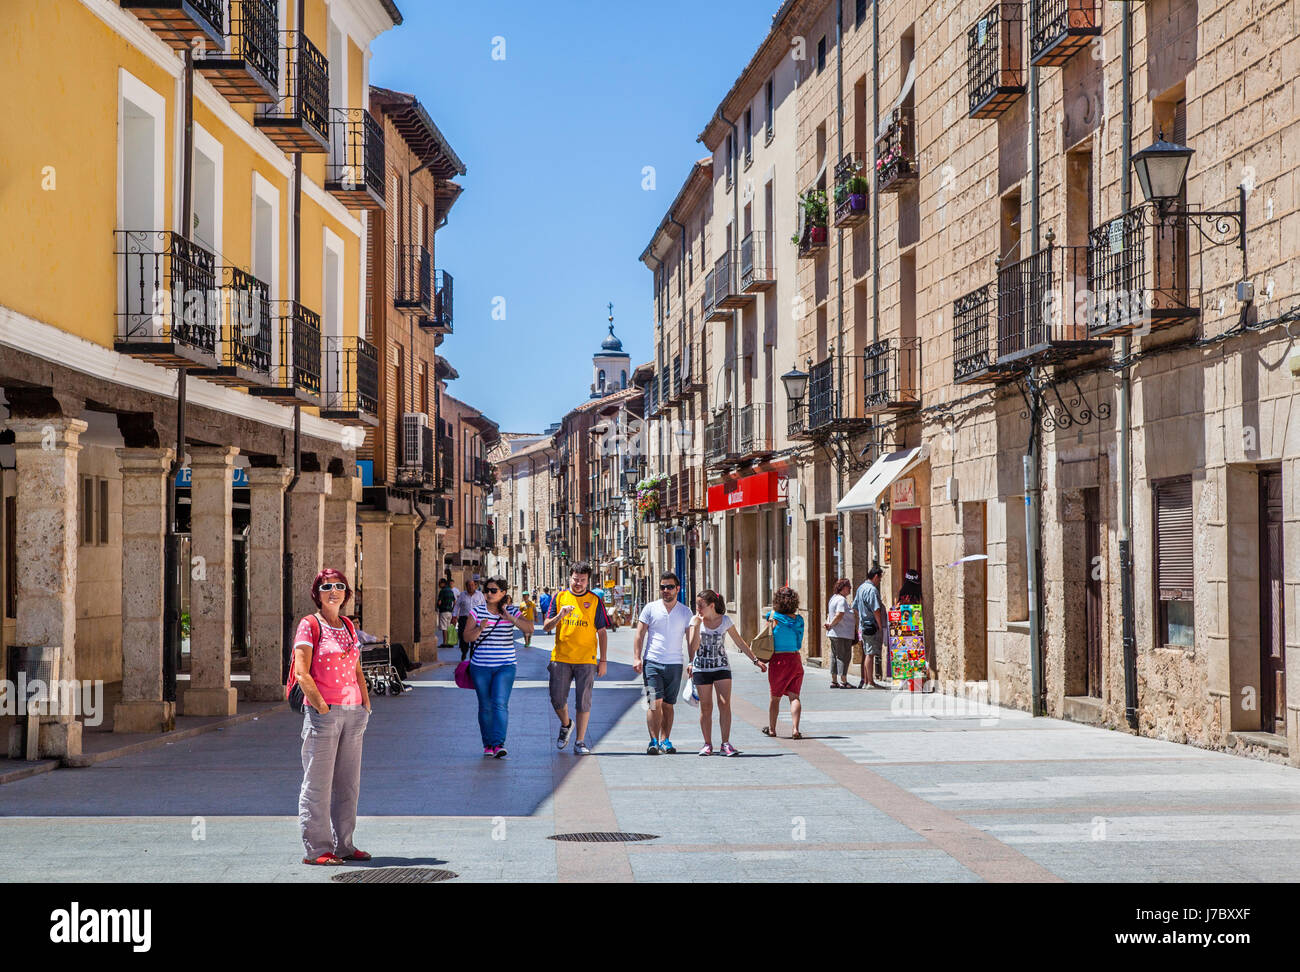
x=876, y=480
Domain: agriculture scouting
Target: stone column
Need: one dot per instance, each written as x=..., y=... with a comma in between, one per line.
x=401, y=590
x=46, y=458
x=375, y=564
x=307, y=536
x=340, y=538
x=144, y=533
x=266, y=581
x=211, y=492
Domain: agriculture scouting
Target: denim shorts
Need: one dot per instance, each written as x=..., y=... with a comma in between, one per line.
x=662, y=682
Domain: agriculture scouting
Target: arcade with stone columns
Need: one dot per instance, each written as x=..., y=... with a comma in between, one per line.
x=85, y=500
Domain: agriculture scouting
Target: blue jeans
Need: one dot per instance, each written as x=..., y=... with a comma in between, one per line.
x=493, y=685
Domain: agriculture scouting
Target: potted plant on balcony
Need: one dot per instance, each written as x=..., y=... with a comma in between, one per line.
x=851, y=195
x=649, y=497
x=815, y=214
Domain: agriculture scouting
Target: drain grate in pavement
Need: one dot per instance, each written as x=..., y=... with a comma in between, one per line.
x=394, y=875
x=603, y=837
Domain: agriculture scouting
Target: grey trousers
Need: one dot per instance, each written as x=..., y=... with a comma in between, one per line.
x=841, y=656
x=331, y=778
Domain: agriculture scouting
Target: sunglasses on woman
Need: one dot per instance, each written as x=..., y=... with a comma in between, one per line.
x=491, y=590
x=333, y=587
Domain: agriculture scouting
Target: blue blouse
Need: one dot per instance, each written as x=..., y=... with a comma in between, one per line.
x=788, y=633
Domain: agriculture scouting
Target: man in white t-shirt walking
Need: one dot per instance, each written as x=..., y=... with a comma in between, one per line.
x=665, y=621
x=466, y=602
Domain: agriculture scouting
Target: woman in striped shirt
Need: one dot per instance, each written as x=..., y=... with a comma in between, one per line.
x=492, y=662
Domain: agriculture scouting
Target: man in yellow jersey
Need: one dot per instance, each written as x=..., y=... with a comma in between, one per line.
x=578, y=618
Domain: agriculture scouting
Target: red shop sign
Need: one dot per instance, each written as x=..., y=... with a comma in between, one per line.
x=756, y=490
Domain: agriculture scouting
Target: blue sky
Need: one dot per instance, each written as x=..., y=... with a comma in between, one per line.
x=555, y=137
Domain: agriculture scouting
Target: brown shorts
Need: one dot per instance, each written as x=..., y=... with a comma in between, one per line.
x=582, y=677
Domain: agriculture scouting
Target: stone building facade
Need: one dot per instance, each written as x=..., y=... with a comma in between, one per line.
x=966, y=342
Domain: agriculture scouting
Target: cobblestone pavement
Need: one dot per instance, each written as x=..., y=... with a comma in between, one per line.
x=883, y=787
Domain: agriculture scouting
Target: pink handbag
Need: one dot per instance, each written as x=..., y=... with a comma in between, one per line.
x=462, y=675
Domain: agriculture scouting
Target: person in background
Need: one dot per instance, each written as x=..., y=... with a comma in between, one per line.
x=785, y=670
x=446, y=601
x=842, y=624
x=711, y=669
x=545, y=603
x=492, y=667
x=872, y=623
x=530, y=614
x=471, y=598
x=336, y=711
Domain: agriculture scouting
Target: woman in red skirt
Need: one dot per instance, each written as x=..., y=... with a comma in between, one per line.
x=785, y=670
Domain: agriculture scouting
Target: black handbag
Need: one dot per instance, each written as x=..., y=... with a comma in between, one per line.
x=869, y=625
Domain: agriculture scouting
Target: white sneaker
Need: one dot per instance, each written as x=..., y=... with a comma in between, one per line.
x=580, y=748
x=562, y=739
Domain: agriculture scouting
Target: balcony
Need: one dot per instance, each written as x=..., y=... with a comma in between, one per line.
x=355, y=174
x=169, y=308
x=1041, y=318
x=1138, y=274
x=692, y=374
x=753, y=437
x=812, y=218
x=995, y=60
x=757, y=272
x=973, y=354
x=1060, y=28
x=665, y=388
x=827, y=409
x=896, y=152
x=245, y=67
x=415, y=464
x=442, y=512
x=478, y=536
x=179, y=23
x=727, y=292
x=676, y=394
x=891, y=376
x=440, y=321
x=713, y=289
x=351, y=382
x=296, y=365
x=851, y=191
x=717, y=437
x=298, y=120
x=412, y=287
x=244, y=316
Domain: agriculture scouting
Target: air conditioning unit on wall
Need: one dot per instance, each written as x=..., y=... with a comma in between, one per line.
x=410, y=461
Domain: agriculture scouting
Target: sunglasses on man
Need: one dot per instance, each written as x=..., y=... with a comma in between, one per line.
x=667, y=587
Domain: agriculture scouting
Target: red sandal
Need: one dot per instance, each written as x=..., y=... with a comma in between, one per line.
x=357, y=855
x=324, y=859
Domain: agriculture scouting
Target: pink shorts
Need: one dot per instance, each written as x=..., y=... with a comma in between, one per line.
x=785, y=673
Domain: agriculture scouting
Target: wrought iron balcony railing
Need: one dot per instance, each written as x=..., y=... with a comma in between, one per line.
x=896, y=152
x=443, y=304
x=1058, y=29
x=355, y=174
x=828, y=407
x=246, y=67
x=995, y=60
x=753, y=437
x=180, y=23
x=169, y=307
x=717, y=436
x=757, y=272
x=973, y=351
x=1041, y=316
x=298, y=120
x=416, y=463
x=351, y=381
x=412, y=288
x=727, y=292
x=1138, y=273
x=296, y=363
x=677, y=378
x=852, y=189
x=891, y=373
x=244, y=315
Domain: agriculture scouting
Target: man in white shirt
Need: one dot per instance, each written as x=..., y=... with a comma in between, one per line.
x=466, y=602
x=665, y=621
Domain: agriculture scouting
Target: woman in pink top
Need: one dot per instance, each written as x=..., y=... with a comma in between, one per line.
x=327, y=664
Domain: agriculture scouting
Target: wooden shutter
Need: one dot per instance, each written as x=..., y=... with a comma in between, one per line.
x=1175, y=576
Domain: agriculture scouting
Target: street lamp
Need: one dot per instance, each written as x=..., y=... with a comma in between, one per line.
x=796, y=384
x=629, y=479
x=1161, y=170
